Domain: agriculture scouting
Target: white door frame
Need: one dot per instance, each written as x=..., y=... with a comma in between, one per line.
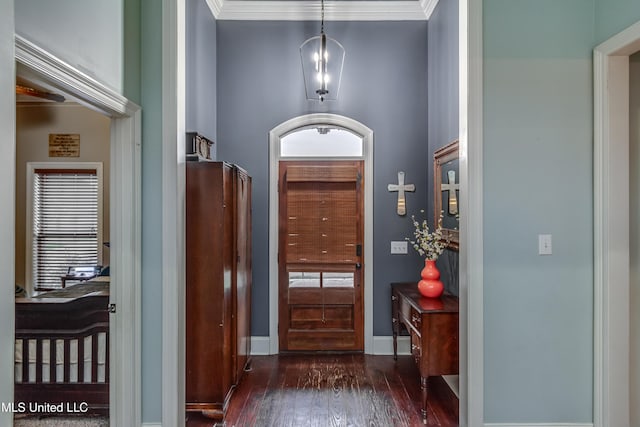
x=611, y=227
x=275, y=136
x=471, y=218
x=7, y=205
x=39, y=66
x=173, y=213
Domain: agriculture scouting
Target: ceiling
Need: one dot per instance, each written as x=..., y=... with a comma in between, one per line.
x=335, y=10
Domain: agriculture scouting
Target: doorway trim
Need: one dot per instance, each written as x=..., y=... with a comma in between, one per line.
x=43, y=68
x=471, y=220
x=275, y=136
x=611, y=227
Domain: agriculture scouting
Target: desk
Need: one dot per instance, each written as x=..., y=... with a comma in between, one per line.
x=433, y=326
x=80, y=273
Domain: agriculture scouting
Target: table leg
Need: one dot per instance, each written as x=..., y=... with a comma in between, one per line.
x=395, y=325
x=423, y=387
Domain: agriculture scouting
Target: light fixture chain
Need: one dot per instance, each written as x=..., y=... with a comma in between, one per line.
x=322, y=15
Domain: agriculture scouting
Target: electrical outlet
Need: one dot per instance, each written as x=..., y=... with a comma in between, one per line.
x=544, y=244
x=399, y=247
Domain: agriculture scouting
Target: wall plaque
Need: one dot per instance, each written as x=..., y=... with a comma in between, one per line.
x=64, y=145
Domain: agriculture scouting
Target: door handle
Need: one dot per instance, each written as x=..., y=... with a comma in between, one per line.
x=358, y=266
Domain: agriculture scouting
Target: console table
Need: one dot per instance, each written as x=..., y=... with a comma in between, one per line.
x=432, y=324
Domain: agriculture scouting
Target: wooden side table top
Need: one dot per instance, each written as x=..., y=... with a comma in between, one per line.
x=445, y=304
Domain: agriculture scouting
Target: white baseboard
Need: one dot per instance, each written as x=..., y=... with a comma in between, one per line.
x=151, y=425
x=383, y=345
x=538, y=425
x=453, y=381
x=260, y=346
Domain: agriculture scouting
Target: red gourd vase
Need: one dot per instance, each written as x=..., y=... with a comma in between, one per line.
x=430, y=286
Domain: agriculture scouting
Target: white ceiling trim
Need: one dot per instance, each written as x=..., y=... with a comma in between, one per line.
x=215, y=6
x=428, y=6
x=289, y=10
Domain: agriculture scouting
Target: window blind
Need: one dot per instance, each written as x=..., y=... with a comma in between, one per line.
x=65, y=223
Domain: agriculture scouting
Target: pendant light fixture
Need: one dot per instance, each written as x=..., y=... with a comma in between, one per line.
x=322, y=60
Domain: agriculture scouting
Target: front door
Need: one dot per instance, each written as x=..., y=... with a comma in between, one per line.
x=320, y=255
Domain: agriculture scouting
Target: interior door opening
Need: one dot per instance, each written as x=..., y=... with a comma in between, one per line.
x=38, y=67
x=62, y=259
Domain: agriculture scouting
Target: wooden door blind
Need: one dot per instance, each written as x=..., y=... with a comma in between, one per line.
x=321, y=226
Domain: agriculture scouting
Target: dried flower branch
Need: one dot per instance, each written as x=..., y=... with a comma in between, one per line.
x=428, y=244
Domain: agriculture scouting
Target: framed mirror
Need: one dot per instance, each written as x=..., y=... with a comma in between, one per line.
x=446, y=171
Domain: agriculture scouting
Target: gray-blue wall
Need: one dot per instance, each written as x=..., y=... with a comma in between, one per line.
x=442, y=78
x=384, y=86
x=201, y=41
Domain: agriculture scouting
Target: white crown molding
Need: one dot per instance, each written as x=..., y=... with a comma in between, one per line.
x=279, y=10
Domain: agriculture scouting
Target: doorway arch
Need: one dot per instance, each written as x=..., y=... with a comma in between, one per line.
x=275, y=139
x=611, y=227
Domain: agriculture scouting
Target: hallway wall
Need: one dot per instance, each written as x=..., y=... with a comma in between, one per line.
x=86, y=34
x=151, y=101
x=538, y=174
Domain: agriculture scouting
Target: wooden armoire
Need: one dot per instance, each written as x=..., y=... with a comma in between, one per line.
x=218, y=282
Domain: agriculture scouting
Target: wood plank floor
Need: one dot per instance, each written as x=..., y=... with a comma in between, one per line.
x=333, y=390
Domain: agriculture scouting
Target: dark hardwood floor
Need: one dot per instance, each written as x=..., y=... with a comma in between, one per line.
x=327, y=390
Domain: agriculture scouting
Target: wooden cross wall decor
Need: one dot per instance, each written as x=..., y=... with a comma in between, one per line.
x=401, y=187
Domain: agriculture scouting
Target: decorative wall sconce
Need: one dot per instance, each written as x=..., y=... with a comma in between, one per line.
x=322, y=59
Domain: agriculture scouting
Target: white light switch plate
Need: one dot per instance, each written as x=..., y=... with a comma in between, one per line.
x=399, y=247
x=544, y=244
